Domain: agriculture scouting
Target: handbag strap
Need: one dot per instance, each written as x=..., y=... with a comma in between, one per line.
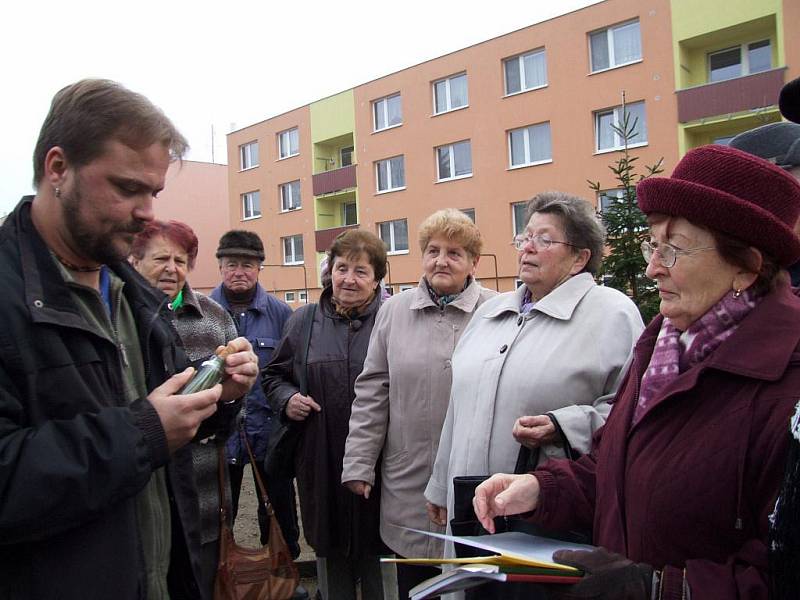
x=301, y=358
x=260, y=482
x=223, y=497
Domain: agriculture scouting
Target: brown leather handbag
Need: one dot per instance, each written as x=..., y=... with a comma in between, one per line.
x=266, y=573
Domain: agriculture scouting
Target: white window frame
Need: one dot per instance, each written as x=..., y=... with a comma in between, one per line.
x=526, y=140
x=246, y=159
x=288, y=133
x=452, y=161
x=285, y=191
x=293, y=260
x=618, y=141
x=388, y=163
x=405, y=287
x=302, y=296
x=610, y=44
x=448, y=101
x=250, y=209
x=344, y=206
x=744, y=59
x=289, y=297
x=618, y=193
x=523, y=79
x=515, y=228
x=392, y=250
x=382, y=105
x=470, y=212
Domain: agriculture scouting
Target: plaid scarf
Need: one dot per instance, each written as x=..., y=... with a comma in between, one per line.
x=442, y=300
x=677, y=351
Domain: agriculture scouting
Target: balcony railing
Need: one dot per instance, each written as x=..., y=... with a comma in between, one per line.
x=324, y=237
x=334, y=180
x=730, y=96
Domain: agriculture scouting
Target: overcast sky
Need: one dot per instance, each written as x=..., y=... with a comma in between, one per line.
x=223, y=65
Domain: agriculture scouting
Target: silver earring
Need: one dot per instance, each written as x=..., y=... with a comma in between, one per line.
x=737, y=293
x=58, y=192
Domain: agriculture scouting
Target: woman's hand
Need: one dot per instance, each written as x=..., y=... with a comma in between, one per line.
x=606, y=576
x=299, y=407
x=359, y=488
x=437, y=514
x=503, y=494
x=241, y=367
x=535, y=431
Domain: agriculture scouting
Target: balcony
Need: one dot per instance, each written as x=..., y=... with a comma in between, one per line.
x=335, y=180
x=730, y=96
x=324, y=237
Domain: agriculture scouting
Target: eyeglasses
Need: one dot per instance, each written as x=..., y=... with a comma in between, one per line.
x=247, y=267
x=539, y=242
x=667, y=253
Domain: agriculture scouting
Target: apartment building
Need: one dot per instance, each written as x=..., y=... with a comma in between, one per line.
x=485, y=128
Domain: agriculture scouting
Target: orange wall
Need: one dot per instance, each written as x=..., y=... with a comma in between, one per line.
x=197, y=193
x=273, y=224
x=567, y=102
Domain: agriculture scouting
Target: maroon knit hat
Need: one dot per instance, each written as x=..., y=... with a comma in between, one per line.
x=733, y=192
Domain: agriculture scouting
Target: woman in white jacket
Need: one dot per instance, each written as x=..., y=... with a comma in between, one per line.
x=403, y=391
x=537, y=361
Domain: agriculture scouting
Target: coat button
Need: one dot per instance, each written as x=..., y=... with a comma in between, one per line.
x=503, y=348
x=447, y=363
x=38, y=303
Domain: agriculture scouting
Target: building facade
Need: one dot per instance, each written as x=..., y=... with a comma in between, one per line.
x=485, y=128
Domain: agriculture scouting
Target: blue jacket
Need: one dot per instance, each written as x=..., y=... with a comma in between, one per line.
x=262, y=325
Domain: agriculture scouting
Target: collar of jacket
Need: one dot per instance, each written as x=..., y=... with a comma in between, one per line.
x=190, y=302
x=465, y=302
x=760, y=348
x=559, y=303
x=46, y=293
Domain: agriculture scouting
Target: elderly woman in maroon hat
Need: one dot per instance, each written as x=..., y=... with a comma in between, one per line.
x=682, y=479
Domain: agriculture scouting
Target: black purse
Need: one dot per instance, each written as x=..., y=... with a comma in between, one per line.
x=282, y=443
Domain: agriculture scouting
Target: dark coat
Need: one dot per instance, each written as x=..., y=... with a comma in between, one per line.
x=262, y=324
x=73, y=453
x=691, y=486
x=335, y=521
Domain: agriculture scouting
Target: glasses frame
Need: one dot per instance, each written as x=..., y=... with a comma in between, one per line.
x=648, y=248
x=544, y=243
x=232, y=267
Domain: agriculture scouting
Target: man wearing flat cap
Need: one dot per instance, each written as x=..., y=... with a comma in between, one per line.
x=260, y=318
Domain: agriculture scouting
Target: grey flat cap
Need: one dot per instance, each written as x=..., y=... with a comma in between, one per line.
x=777, y=142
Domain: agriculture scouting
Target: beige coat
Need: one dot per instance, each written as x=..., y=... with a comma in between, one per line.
x=400, y=405
x=562, y=358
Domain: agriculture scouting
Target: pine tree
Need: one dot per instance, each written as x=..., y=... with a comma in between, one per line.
x=623, y=266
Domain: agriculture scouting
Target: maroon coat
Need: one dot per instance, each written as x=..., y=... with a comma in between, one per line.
x=691, y=486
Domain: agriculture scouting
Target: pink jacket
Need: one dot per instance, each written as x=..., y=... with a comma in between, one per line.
x=690, y=488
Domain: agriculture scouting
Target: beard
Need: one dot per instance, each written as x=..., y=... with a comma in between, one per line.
x=102, y=247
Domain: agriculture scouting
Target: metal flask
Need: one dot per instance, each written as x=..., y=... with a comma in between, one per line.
x=210, y=372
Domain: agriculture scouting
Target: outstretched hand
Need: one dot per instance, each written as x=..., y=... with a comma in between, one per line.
x=502, y=495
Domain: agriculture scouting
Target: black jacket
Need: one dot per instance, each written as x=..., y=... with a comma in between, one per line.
x=73, y=454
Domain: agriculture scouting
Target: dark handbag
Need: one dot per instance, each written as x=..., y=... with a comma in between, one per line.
x=266, y=573
x=283, y=441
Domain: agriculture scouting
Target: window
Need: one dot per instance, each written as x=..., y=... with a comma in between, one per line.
x=470, y=212
x=606, y=198
x=391, y=174
x=290, y=196
x=530, y=145
x=739, y=61
x=615, y=46
x=450, y=93
x=606, y=138
x=293, y=250
x=251, y=205
x=288, y=296
x=454, y=160
x=525, y=72
x=394, y=235
x=349, y=213
x=346, y=156
x=302, y=296
x=518, y=217
x=405, y=286
x=288, y=143
x=387, y=112
x=248, y=155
